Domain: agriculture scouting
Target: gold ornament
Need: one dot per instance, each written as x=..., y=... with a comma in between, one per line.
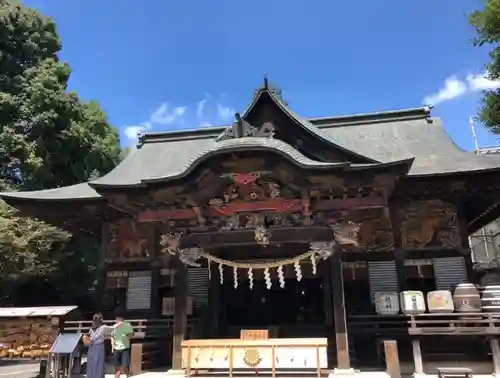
x=252, y=357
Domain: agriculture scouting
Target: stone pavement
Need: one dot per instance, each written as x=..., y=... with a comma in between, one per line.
x=370, y=374
x=18, y=369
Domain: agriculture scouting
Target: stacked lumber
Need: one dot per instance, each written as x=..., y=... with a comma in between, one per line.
x=25, y=337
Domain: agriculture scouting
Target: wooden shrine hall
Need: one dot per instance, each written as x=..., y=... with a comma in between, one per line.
x=280, y=227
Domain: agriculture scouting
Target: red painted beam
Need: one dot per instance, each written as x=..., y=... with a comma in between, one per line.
x=276, y=205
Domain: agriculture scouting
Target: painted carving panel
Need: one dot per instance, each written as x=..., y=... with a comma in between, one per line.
x=429, y=224
x=128, y=241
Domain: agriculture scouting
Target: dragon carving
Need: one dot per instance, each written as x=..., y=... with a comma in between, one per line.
x=431, y=222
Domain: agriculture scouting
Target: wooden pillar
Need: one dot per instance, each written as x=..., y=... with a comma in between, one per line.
x=155, y=273
x=180, y=314
x=155, y=293
x=398, y=252
x=327, y=294
x=101, y=266
x=495, y=354
x=464, y=241
x=392, y=358
x=339, y=313
x=214, y=302
x=417, y=357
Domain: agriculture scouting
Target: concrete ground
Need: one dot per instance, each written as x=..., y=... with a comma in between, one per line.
x=18, y=369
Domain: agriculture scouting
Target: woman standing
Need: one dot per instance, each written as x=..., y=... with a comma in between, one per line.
x=96, y=356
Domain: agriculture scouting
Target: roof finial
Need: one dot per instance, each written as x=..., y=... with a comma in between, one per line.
x=238, y=126
x=266, y=83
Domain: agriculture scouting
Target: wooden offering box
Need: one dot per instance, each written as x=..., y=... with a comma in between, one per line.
x=257, y=355
x=254, y=334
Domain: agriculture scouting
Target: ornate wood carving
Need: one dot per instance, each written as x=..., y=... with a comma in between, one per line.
x=242, y=128
x=128, y=241
x=430, y=224
x=376, y=234
x=321, y=209
x=369, y=234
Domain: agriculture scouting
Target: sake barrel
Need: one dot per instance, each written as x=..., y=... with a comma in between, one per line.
x=490, y=301
x=466, y=298
x=386, y=303
x=440, y=301
x=412, y=302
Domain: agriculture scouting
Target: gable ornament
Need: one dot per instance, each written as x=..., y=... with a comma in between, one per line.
x=241, y=129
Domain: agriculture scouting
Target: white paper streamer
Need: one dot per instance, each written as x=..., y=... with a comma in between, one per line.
x=267, y=278
x=196, y=354
x=281, y=278
x=250, y=278
x=221, y=273
x=212, y=354
x=235, y=277
x=209, y=270
x=313, y=263
x=298, y=270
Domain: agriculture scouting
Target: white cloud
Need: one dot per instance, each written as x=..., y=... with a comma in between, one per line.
x=481, y=82
x=163, y=115
x=204, y=113
x=131, y=132
x=454, y=87
x=224, y=112
x=200, y=108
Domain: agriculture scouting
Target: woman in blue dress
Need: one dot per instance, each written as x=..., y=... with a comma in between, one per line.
x=96, y=355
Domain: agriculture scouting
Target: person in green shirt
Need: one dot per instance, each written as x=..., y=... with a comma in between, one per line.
x=120, y=341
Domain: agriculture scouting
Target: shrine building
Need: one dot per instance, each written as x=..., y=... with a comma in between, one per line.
x=283, y=223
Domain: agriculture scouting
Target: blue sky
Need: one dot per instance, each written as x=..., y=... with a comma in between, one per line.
x=171, y=64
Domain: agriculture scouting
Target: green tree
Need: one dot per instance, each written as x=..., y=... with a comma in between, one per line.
x=487, y=25
x=48, y=138
x=28, y=248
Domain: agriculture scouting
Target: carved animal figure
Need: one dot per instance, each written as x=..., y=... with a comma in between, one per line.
x=421, y=229
x=346, y=234
x=171, y=242
x=274, y=190
x=127, y=240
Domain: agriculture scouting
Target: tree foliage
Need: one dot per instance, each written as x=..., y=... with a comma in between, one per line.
x=28, y=248
x=487, y=25
x=48, y=138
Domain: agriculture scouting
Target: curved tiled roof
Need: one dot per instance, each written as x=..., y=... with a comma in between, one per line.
x=385, y=137
x=424, y=139
x=171, y=164
x=304, y=123
x=66, y=193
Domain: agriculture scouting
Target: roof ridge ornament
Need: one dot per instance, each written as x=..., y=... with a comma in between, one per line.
x=275, y=91
x=241, y=128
